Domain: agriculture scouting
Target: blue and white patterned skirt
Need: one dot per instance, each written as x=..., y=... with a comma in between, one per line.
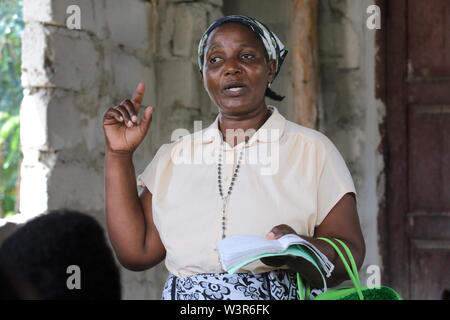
x=274, y=285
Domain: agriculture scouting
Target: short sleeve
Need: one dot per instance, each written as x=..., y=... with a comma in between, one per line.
x=334, y=179
x=148, y=177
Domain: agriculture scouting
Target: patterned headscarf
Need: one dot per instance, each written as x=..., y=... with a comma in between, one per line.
x=274, y=47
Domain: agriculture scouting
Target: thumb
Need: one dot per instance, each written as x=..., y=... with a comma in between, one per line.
x=146, y=119
x=270, y=236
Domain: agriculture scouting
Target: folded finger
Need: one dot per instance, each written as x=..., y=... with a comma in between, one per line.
x=115, y=114
x=130, y=107
x=125, y=115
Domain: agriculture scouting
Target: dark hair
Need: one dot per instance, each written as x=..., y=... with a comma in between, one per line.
x=42, y=250
x=12, y=286
x=273, y=95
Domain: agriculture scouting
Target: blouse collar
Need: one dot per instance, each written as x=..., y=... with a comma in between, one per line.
x=270, y=131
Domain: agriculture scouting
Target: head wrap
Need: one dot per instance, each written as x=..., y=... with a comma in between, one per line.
x=274, y=47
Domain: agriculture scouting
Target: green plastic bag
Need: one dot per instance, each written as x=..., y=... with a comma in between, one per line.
x=350, y=293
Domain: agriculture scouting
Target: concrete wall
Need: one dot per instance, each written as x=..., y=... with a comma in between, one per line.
x=72, y=76
x=350, y=114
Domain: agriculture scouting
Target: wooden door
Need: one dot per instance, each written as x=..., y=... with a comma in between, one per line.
x=418, y=147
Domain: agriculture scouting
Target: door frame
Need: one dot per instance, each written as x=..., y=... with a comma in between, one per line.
x=391, y=73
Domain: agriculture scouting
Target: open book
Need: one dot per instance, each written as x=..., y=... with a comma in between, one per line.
x=240, y=250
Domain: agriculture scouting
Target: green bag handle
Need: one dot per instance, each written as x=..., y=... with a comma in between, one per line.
x=352, y=272
x=352, y=261
x=300, y=288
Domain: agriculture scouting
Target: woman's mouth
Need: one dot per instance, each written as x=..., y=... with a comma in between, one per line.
x=235, y=89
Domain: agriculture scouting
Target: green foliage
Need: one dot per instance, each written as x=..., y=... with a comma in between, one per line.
x=11, y=27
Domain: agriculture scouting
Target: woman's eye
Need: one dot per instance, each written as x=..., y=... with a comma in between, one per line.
x=214, y=59
x=248, y=56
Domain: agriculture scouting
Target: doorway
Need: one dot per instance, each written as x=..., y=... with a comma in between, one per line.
x=417, y=83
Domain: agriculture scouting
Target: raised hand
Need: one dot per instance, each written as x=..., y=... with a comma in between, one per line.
x=122, y=131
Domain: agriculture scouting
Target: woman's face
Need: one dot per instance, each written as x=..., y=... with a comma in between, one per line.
x=235, y=70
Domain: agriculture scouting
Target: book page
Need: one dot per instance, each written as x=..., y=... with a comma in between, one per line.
x=248, y=243
x=242, y=247
x=290, y=239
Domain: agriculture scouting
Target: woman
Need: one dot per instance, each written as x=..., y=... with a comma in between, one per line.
x=186, y=207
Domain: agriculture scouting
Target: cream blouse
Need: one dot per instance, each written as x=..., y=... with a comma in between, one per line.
x=289, y=174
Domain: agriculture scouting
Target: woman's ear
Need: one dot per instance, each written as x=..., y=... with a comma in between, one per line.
x=272, y=64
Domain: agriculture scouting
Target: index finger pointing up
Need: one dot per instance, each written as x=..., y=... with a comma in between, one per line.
x=138, y=96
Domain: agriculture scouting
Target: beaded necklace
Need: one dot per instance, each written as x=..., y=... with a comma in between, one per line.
x=233, y=179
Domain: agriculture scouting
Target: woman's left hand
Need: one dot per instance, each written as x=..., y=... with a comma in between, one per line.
x=296, y=264
x=275, y=233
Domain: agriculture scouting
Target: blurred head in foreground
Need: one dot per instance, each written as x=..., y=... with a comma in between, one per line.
x=63, y=255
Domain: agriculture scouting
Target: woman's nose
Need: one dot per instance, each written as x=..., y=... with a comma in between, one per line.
x=232, y=67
